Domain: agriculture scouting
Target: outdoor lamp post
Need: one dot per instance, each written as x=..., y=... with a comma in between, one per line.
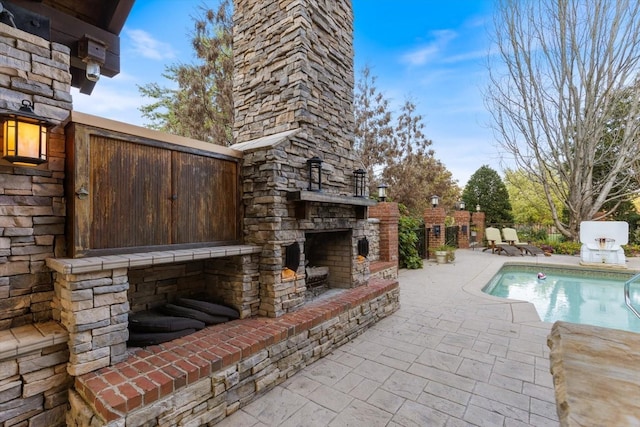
x=382, y=192
x=434, y=201
x=358, y=178
x=25, y=135
x=314, y=165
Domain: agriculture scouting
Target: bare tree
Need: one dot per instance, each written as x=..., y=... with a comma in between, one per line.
x=562, y=70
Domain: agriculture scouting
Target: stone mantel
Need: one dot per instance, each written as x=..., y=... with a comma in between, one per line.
x=596, y=375
x=315, y=196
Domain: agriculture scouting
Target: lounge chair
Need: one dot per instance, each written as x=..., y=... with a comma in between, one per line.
x=511, y=237
x=497, y=245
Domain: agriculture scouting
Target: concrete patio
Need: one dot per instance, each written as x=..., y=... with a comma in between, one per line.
x=450, y=356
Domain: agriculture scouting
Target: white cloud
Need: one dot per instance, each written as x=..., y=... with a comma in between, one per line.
x=467, y=56
x=111, y=104
x=423, y=54
x=148, y=47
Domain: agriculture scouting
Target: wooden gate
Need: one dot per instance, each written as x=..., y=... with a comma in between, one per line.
x=451, y=236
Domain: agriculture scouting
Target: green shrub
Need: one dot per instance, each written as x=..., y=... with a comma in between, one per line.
x=407, y=240
x=565, y=248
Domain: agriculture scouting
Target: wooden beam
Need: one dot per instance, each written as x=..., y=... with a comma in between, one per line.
x=119, y=15
x=67, y=30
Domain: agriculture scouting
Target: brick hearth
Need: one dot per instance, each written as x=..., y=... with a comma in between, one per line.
x=226, y=366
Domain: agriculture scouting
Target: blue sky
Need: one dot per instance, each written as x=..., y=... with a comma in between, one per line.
x=430, y=51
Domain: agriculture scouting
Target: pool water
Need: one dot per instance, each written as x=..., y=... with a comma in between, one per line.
x=578, y=296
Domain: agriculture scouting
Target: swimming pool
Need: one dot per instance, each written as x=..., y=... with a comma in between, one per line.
x=584, y=296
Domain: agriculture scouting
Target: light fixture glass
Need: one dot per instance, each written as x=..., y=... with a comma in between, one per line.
x=25, y=135
x=462, y=205
x=478, y=208
x=382, y=192
x=435, y=200
x=93, y=70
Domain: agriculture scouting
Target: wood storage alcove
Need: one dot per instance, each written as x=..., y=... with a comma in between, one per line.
x=131, y=193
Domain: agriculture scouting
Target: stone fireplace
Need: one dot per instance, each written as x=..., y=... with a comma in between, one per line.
x=293, y=95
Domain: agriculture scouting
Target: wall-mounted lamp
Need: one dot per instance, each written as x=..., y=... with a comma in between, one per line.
x=382, y=192
x=464, y=229
x=25, y=135
x=461, y=205
x=93, y=52
x=434, y=201
x=314, y=166
x=436, y=231
x=363, y=247
x=358, y=178
x=478, y=208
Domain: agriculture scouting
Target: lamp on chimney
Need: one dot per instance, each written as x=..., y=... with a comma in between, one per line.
x=461, y=205
x=25, y=135
x=314, y=166
x=358, y=178
x=435, y=200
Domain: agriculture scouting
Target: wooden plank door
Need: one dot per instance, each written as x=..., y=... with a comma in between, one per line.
x=205, y=199
x=130, y=194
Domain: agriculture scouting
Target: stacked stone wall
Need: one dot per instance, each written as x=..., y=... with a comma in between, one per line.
x=373, y=235
x=152, y=287
x=32, y=209
x=34, y=386
x=294, y=69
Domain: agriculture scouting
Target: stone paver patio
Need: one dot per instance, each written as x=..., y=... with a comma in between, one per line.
x=450, y=356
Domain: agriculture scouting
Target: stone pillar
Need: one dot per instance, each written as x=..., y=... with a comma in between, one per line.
x=478, y=224
x=94, y=310
x=462, y=219
x=434, y=220
x=388, y=214
x=32, y=207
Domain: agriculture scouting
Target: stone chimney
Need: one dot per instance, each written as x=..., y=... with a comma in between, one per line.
x=293, y=101
x=294, y=70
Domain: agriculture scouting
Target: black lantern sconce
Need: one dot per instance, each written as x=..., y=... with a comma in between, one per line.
x=363, y=247
x=461, y=205
x=382, y=192
x=435, y=200
x=25, y=135
x=314, y=165
x=464, y=229
x=358, y=178
x=436, y=231
x=292, y=256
